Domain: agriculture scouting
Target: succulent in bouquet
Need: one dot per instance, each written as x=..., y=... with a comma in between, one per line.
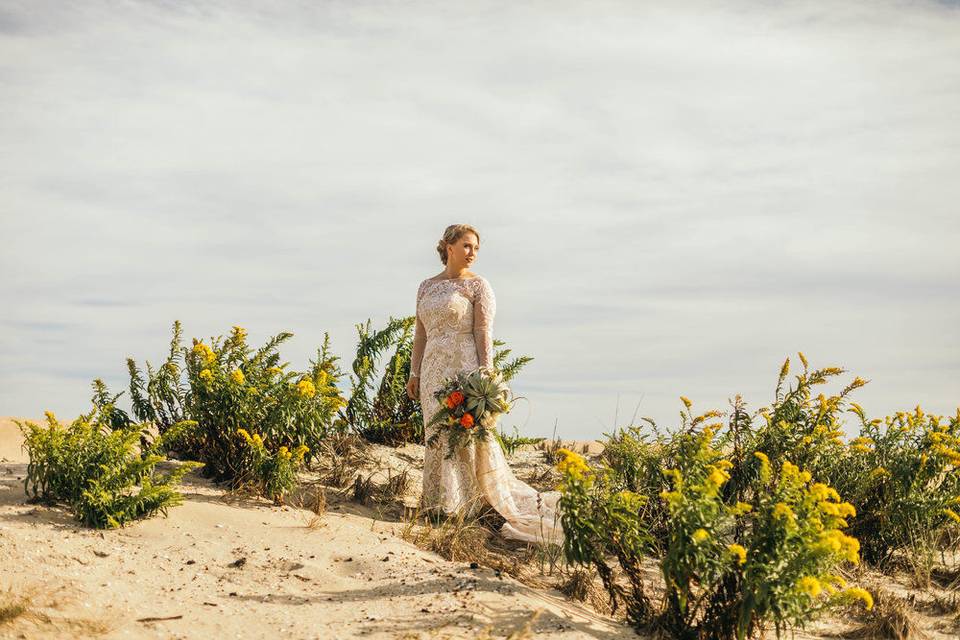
x=470, y=405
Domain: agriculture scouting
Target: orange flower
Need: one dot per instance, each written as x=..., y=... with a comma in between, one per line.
x=454, y=399
x=467, y=421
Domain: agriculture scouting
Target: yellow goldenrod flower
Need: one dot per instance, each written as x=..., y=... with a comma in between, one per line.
x=239, y=332
x=764, y=465
x=274, y=371
x=718, y=476
x=700, y=535
x=244, y=434
x=810, y=585
x=206, y=375
x=830, y=508
x=839, y=581
x=950, y=513
x=821, y=491
x=672, y=498
x=258, y=440
x=204, y=352
x=851, y=548
x=847, y=510
x=306, y=389
x=726, y=465
x=856, y=593
x=738, y=552
x=237, y=376
x=860, y=448
x=782, y=511
x=879, y=472
x=785, y=369
x=741, y=508
x=803, y=359
x=686, y=402
x=322, y=378
x=573, y=464
x=675, y=474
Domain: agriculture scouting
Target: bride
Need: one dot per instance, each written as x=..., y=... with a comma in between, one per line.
x=454, y=333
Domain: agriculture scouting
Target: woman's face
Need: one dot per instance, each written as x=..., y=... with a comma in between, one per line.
x=463, y=252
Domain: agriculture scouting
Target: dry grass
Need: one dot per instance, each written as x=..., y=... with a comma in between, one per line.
x=459, y=537
x=942, y=605
x=466, y=536
x=313, y=499
x=24, y=612
x=582, y=585
x=892, y=618
x=366, y=491
x=550, y=449
x=946, y=577
x=340, y=456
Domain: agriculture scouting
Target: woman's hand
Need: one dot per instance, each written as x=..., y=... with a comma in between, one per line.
x=413, y=388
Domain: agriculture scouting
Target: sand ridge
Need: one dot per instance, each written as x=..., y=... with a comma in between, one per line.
x=219, y=568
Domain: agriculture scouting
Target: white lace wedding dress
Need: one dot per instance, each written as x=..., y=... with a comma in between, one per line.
x=454, y=332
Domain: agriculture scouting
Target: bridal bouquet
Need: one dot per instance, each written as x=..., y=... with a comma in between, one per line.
x=470, y=405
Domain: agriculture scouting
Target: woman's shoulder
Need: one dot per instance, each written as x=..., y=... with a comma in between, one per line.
x=440, y=277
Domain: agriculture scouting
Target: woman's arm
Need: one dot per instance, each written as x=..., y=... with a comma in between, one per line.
x=484, y=308
x=419, y=341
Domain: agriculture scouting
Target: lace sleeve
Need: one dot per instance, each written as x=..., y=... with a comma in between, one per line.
x=419, y=338
x=484, y=308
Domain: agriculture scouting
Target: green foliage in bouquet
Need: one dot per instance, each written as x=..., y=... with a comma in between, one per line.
x=470, y=405
x=271, y=473
x=97, y=468
x=225, y=385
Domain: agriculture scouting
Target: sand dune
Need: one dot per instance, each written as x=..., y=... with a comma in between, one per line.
x=223, y=566
x=352, y=576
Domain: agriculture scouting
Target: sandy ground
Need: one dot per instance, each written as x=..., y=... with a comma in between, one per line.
x=351, y=576
x=220, y=566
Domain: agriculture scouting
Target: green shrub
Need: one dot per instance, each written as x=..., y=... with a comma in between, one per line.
x=905, y=480
x=98, y=469
x=598, y=521
x=902, y=472
x=383, y=413
x=225, y=385
x=272, y=474
x=740, y=548
x=510, y=443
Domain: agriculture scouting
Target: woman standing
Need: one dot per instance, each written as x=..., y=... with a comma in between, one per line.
x=454, y=333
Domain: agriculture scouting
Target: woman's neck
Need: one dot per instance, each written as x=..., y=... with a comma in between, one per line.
x=454, y=273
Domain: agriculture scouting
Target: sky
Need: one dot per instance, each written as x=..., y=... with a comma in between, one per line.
x=672, y=197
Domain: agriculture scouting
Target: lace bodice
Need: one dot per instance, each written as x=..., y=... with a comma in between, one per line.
x=450, y=308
